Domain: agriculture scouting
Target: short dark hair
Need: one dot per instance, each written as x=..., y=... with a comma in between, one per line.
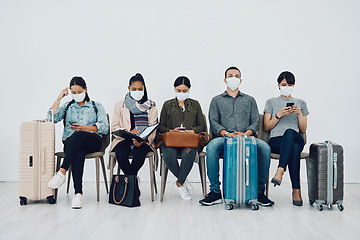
x=139, y=78
x=182, y=80
x=80, y=82
x=230, y=68
x=288, y=76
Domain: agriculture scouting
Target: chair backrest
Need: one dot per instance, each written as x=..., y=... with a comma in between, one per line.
x=264, y=135
x=105, y=140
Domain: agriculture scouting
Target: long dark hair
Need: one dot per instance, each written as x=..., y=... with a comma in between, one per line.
x=182, y=80
x=139, y=78
x=81, y=82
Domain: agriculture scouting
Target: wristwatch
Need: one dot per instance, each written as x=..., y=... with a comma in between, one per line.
x=277, y=116
x=225, y=134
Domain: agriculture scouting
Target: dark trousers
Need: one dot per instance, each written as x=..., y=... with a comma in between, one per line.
x=75, y=148
x=289, y=146
x=170, y=155
x=123, y=150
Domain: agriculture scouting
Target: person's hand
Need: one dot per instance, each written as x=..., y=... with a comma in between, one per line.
x=76, y=127
x=296, y=109
x=190, y=131
x=64, y=93
x=238, y=133
x=284, y=112
x=138, y=144
x=231, y=134
x=135, y=131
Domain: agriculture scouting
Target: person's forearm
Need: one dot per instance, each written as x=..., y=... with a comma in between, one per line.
x=56, y=104
x=302, y=123
x=90, y=128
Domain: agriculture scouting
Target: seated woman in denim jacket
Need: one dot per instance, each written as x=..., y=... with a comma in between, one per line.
x=133, y=114
x=181, y=111
x=285, y=117
x=85, y=122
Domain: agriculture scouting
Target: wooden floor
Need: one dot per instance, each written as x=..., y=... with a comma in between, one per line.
x=175, y=218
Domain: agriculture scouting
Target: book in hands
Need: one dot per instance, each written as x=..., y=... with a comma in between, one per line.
x=139, y=137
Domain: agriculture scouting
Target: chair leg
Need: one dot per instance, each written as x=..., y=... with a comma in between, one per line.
x=104, y=173
x=163, y=178
x=111, y=164
x=202, y=174
x=155, y=182
x=69, y=178
x=151, y=167
x=97, y=178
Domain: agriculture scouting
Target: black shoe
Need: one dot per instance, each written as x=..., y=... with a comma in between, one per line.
x=298, y=203
x=276, y=182
x=264, y=201
x=211, y=198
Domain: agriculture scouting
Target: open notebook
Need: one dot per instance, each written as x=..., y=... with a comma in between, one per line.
x=141, y=136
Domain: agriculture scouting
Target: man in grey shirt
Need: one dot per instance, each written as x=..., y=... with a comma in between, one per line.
x=234, y=113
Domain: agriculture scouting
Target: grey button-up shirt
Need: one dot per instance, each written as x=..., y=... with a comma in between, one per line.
x=233, y=114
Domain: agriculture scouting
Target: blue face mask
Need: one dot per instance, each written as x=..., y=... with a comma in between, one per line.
x=182, y=96
x=286, y=90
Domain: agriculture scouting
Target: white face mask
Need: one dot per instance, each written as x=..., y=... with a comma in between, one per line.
x=137, y=95
x=78, y=97
x=182, y=96
x=233, y=83
x=286, y=90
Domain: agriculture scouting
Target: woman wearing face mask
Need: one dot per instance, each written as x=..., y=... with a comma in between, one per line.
x=85, y=122
x=176, y=114
x=285, y=118
x=133, y=114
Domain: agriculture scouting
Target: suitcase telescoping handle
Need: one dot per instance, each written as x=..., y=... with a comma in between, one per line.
x=247, y=171
x=334, y=165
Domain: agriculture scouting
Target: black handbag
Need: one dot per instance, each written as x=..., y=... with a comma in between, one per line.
x=124, y=191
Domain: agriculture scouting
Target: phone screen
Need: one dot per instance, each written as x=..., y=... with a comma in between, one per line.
x=290, y=104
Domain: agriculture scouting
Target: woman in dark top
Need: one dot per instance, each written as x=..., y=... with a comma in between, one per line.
x=176, y=114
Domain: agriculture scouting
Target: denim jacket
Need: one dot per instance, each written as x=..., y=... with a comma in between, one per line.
x=84, y=115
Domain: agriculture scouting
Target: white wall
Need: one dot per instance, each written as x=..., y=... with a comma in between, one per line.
x=43, y=44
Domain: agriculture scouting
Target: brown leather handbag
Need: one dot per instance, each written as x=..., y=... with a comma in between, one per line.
x=185, y=139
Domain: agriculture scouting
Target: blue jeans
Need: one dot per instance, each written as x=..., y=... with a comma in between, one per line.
x=215, y=149
x=289, y=146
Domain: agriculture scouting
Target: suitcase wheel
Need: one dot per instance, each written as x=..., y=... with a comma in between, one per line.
x=255, y=207
x=23, y=201
x=51, y=199
x=320, y=207
x=340, y=207
x=229, y=206
x=311, y=202
x=329, y=206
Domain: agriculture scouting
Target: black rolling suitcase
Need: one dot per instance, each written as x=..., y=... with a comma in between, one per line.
x=325, y=173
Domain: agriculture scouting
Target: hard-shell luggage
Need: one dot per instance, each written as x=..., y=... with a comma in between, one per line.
x=325, y=173
x=240, y=172
x=37, y=161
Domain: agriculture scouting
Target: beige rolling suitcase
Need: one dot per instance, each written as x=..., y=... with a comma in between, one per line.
x=37, y=161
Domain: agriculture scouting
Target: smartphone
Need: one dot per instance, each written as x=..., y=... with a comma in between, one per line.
x=72, y=122
x=289, y=104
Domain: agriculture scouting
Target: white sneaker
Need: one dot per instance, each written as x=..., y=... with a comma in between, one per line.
x=182, y=191
x=57, y=180
x=189, y=187
x=77, y=201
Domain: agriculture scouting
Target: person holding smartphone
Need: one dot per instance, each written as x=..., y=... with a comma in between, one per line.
x=181, y=114
x=85, y=122
x=133, y=114
x=285, y=118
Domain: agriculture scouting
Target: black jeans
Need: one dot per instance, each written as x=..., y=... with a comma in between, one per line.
x=289, y=146
x=75, y=148
x=123, y=150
